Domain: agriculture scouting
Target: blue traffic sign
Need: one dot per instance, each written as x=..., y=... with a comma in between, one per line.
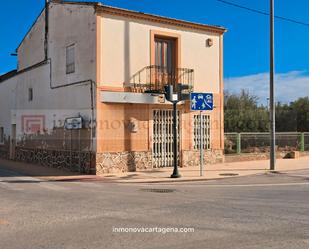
x=201, y=101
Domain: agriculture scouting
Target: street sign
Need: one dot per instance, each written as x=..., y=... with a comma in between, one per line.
x=201, y=101
x=73, y=123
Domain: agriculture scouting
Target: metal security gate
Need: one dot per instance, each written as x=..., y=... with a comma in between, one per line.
x=205, y=132
x=162, y=145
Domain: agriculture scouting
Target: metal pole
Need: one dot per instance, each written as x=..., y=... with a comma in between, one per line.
x=271, y=97
x=175, y=145
x=238, y=143
x=201, y=146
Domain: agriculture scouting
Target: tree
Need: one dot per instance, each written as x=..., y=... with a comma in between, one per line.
x=242, y=113
x=301, y=110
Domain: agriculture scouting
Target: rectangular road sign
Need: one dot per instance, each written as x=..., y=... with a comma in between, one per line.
x=201, y=101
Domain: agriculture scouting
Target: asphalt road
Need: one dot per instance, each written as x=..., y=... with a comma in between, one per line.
x=266, y=211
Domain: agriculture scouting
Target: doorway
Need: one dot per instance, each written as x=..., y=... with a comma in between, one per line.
x=162, y=142
x=165, y=61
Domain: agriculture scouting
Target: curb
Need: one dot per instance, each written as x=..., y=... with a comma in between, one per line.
x=184, y=180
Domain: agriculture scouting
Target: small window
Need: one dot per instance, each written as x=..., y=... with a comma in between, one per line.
x=205, y=132
x=70, y=59
x=1, y=135
x=30, y=94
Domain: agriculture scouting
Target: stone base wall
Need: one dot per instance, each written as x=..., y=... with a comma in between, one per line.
x=4, y=153
x=5, y=150
x=117, y=162
x=192, y=158
x=69, y=160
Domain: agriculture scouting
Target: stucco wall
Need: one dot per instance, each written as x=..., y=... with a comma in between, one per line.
x=31, y=49
x=72, y=24
x=126, y=50
x=7, y=103
x=53, y=106
x=114, y=132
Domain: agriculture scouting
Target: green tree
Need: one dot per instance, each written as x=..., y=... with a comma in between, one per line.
x=286, y=119
x=242, y=113
x=301, y=110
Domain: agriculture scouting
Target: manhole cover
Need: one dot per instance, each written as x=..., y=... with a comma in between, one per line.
x=158, y=190
x=229, y=174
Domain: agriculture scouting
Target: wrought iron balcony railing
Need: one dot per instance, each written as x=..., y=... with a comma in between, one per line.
x=154, y=78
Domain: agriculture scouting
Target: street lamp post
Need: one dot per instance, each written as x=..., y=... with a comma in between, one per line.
x=271, y=96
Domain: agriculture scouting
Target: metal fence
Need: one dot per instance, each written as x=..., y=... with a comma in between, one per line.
x=260, y=142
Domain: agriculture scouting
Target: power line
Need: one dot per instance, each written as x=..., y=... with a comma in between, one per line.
x=263, y=13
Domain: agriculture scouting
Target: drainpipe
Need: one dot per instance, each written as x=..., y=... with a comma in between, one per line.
x=46, y=29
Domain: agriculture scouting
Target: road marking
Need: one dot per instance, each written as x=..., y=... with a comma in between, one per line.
x=51, y=186
x=257, y=184
x=9, y=186
x=199, y=184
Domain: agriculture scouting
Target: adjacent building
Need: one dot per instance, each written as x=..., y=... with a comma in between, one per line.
x=88, y=91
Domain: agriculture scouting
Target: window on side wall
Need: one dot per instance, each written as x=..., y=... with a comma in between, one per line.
x=70, y=59
x=1, y=135
x=30, y=94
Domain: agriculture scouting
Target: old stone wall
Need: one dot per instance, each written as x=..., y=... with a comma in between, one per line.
x=192, y=158
x=78, y=161
x=5, y=149
x=116, y=162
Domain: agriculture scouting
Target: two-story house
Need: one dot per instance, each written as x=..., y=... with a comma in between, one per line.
x=88, y=93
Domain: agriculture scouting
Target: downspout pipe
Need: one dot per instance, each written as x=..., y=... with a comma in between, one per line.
x=46, y=29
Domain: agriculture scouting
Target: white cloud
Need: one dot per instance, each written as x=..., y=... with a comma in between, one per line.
x=289, y=86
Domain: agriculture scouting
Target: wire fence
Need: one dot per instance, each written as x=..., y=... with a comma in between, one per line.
x=260, y=142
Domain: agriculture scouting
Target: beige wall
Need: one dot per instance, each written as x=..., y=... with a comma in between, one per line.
x=126, y=50
x=31, y=49
x=113, y=128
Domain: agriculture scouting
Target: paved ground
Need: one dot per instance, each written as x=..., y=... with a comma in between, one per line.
x=264, y=211
x=215, y=171
x=210, y=172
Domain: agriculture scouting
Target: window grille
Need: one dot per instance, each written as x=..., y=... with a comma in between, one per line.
x=205, y=132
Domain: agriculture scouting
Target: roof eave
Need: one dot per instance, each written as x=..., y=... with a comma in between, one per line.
x=159, y=19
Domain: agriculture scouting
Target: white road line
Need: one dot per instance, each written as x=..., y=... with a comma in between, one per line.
x=201, y=184
x=10, y=186
x=14, y=183
x=262, y=184
x=256, y=185
x=87, y=184
x=51, y=186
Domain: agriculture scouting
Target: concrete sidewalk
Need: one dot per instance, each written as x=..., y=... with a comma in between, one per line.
x=211, y=172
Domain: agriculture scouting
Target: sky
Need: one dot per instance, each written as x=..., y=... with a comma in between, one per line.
x=246, y=44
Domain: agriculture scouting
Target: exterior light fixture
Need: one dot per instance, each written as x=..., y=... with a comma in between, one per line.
x=209, y=42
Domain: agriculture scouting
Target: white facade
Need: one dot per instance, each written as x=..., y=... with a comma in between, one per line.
x=52, y=101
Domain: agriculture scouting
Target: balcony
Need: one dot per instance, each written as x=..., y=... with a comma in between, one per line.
x=152, y=79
